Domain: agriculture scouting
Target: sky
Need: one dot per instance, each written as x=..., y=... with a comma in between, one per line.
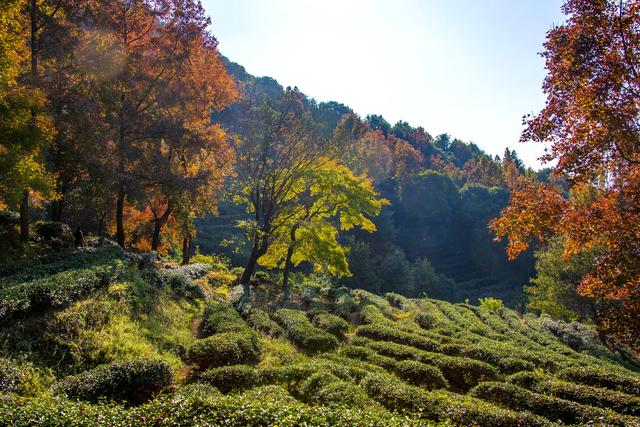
x=469, y=68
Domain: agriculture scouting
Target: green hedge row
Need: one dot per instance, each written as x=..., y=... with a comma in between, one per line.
x=131, y=381
x=440, y=405
x=227, y=348
x=381, y=332
x=553, y=408
x=57, y=290
x=261, y=322
x=219, y=317
x=306, y=336
x=36, y=268
x=601, y=397
x=370, y=314
x=420, y=374
x=411, y=371
x=399, y=301
x=460, y=373
x=179, y=280
x=242, y=377
x=199, y=406
x=602, y=377
x=324, y=387
x=331, y=323
x=427, y=320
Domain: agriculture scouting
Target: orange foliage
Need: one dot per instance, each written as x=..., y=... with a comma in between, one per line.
x=591, y=121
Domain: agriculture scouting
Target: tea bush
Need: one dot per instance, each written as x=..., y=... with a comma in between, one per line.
x=227, y=348
x=602, y=377
x=132, y=381
x=331, y=323
x=601, y=397
x=324, y=387
x=419, y=374
x=261, y=322
x=553, y=408
x=306, y=336
x=219, y=317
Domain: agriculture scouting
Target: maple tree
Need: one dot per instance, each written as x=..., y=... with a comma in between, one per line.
x=591, y=122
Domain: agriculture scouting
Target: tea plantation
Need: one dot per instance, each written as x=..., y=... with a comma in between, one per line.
x=102, y=337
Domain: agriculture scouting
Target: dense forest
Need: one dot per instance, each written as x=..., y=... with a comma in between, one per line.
x=184, y=243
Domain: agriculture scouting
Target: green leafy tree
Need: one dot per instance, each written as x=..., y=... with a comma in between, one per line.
x=331, y=198
x=553, y=290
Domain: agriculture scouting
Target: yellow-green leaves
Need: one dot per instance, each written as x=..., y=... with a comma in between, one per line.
x=329, y=198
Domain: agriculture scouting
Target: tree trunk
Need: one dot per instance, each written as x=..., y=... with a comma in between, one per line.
x=159, y=222
x=286, y=290
x=24, y=216
x=257, y=251
x=120, y=216
x=101, y=225
x=186, y=250
x=24, y=203
x=56, y=209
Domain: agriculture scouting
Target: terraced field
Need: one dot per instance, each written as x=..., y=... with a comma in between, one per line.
x=340, y=357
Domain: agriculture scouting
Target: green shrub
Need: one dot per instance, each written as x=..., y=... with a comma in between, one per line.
x=219, y=317
x=601, y=377
x=30, y=269
x=371, y=314
x=426, y=320
x=133, y=381
x=270, y=393
x=419, y=374
x=181, y=283
x=331, y=323
x=554, y=409
x=345, y=305
x=10, y=376
x=261, y=322
x=398, y=301
x=285, y=374
x=54, y=291
x=382, y=332
x=493, y=305
x=231, y=378
x=368, y=355
x=317, y=304
x=303, y=333
x=594, y=396
x=511, y=365
x=324, y=387
x=440, y=405
x=461, y=373
x=199, y=406
x=358, y=369
x=227, y=348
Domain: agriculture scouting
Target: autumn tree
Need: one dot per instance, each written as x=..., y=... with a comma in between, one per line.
x=139, y=52
x=24, y=129
x=331, y=199
x=591, y=122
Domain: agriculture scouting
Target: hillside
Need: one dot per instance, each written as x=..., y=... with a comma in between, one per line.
x=443, y=193
x=104, y=337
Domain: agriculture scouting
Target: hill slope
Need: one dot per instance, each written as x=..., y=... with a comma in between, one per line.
x=101, y=337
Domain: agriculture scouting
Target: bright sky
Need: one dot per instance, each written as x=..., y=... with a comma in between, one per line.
x=468, y=67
